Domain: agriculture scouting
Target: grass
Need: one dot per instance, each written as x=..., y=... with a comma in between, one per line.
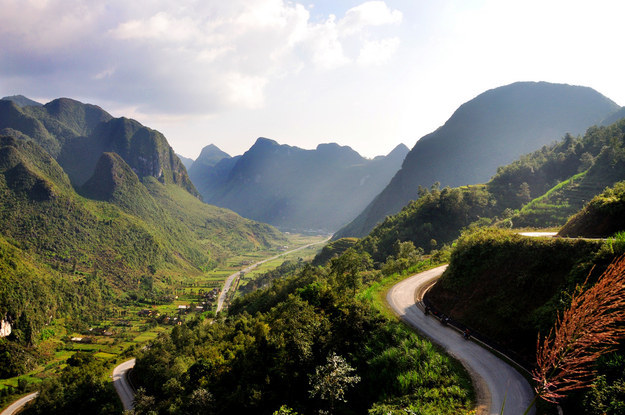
x=376, y=292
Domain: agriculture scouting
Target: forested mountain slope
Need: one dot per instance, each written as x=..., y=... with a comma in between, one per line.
x=540, y=189
x=72, y=251
x=489, y=131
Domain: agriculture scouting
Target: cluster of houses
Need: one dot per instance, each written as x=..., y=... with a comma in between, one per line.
x=206, y=300
x=95, y=331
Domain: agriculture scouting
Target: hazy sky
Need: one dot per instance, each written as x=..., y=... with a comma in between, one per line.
x=368, y=74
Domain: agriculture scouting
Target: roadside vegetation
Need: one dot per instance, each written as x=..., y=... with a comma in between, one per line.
x=509, y=289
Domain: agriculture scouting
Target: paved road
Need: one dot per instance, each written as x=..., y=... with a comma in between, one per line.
x=231, y=278
x=495, y=381
x=539, y=234
x=19, y=404
x=125, y=392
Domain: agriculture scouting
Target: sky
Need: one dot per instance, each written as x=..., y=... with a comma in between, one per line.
x=366, y=74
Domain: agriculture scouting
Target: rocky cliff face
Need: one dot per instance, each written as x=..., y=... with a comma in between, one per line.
x=77, y=134
x=5, y=328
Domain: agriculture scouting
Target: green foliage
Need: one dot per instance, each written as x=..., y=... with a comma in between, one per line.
x=438, y=215
x=263, y=355
x=602, y=217
x=562, y=178
x=265, y=279
x=80, y=389
x=331, y=381
x=62, y=255
x=509, y=287
x=333, y=249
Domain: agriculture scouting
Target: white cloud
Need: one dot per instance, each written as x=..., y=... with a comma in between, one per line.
x=378, y=52
x=371, y=13
x=245, y=91
x=184, y=56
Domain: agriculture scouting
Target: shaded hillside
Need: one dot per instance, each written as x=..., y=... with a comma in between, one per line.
x=186, y=161
x=210, y=171
x=433, y=220
x=76, y=134
x=509, y=287
x=491, y=130
x=602, y=217
x=614, y=117
x=298, y=189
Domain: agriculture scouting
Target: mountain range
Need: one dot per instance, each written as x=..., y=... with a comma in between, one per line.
x=293, y=188
x=488, y=131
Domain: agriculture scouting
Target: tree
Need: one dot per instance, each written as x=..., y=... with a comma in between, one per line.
x=331, y=381
x=348, y=266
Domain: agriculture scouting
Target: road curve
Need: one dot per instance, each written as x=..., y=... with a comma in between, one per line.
x=231, y=278
x=123, y=388
x=495, y=381
x=17, y=406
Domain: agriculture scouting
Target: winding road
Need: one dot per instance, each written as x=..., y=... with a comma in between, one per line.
x=495, y=381
x=17, y=406
x=123, y=388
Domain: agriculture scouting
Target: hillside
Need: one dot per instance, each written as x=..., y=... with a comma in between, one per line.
x=270, y=352
x=603, y=217
x=186, y=161
x=76, y=134
x=293, y=188
x=559, y=182
x=507, y=288
x=73, y=257
x=489, y=131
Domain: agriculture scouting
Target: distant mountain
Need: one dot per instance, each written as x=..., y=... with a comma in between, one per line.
x=293, y=188
x=22, y=101
x=209, y=156
x=204, y=172
x=186, y=161
x=77, y=134
x=491, y=130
